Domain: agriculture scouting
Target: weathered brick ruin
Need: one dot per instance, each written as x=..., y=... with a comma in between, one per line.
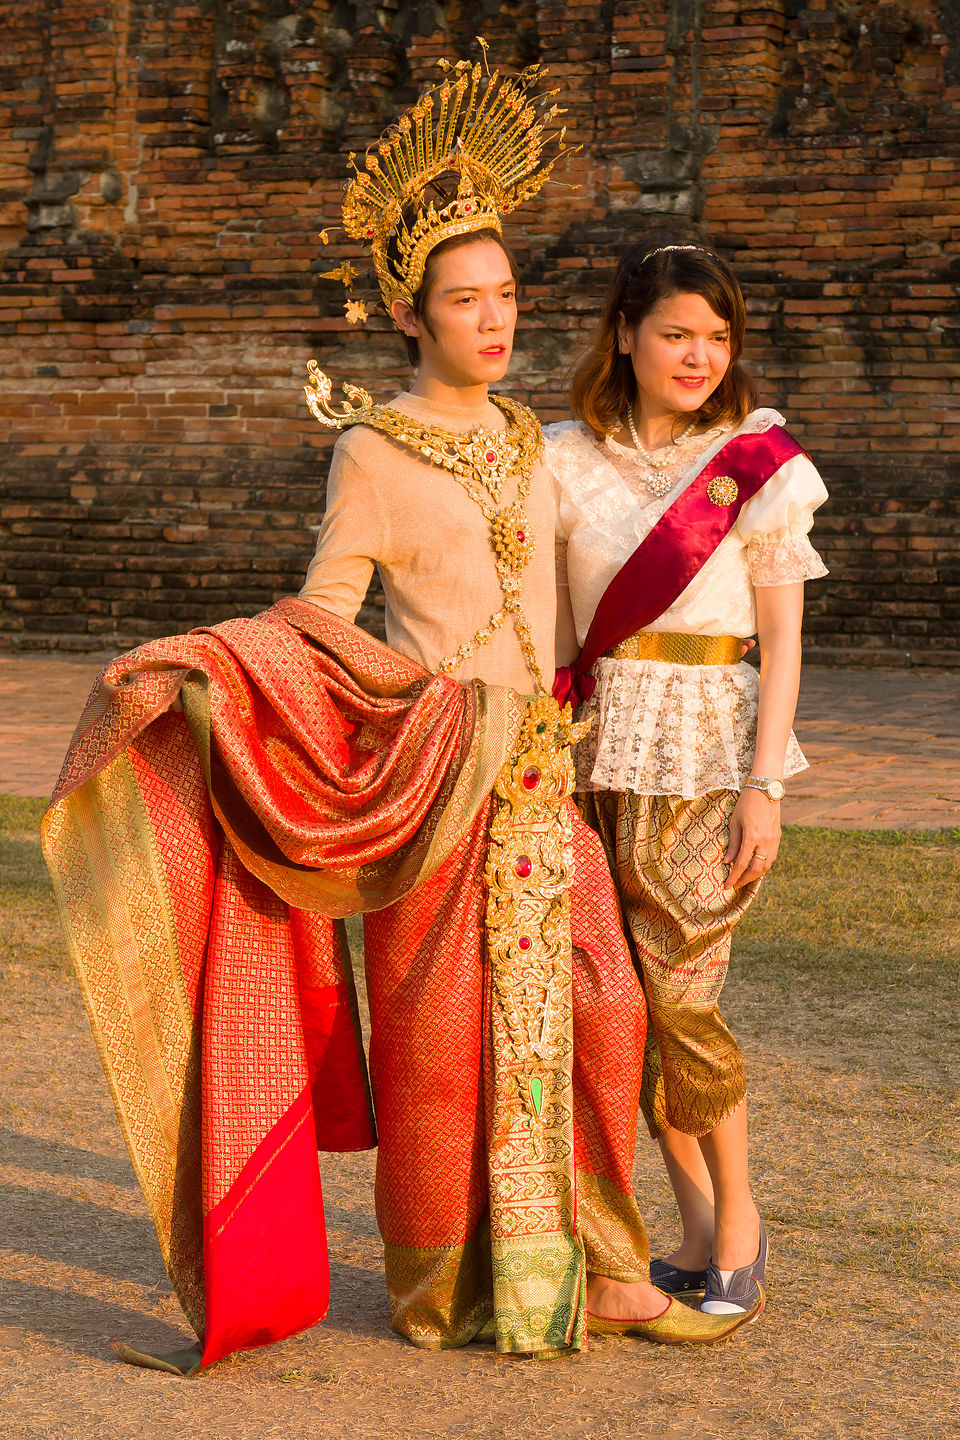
x=166, y=165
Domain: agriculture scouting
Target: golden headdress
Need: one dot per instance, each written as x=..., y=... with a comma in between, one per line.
x=481, y=125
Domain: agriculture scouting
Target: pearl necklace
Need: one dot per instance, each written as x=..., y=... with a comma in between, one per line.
x=659, y=482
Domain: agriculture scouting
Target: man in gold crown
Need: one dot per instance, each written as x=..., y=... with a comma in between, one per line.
x=234, y=792
x=493, y=1147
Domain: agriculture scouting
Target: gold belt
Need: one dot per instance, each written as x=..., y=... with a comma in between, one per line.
x=680, y=649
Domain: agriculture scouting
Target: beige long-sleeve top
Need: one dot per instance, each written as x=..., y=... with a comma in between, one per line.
x=388, y=508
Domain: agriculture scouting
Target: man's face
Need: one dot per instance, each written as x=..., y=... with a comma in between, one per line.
x=472, y=314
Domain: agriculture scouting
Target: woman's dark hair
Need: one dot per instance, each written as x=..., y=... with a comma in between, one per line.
x=604, y=386
x=442, y=191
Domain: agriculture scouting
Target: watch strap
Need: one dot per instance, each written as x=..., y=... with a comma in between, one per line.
x=765, y=783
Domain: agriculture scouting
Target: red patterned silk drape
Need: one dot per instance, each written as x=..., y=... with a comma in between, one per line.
x=227, y=796
x=481, y=1230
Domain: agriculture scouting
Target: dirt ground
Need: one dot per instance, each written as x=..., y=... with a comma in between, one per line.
x=856, y=1162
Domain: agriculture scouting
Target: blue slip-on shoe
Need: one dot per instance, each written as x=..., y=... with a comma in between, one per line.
x=739, y=1293
x=673, y=1281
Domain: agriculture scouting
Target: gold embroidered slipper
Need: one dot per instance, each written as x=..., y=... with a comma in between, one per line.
x=176, y=1362
x=679, y=1325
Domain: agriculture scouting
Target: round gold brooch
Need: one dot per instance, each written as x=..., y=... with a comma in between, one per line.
x=722, y=490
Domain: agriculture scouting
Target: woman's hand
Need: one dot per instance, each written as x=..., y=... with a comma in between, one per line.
x=754, y=838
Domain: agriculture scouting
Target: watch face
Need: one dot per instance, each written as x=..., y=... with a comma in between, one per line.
x=775, y=790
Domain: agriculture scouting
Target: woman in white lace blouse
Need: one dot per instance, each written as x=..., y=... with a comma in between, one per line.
x=670, y=467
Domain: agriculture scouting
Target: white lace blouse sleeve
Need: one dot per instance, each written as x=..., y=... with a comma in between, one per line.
x=563, y=454
x=776, y=524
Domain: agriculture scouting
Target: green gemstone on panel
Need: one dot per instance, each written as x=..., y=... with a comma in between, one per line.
x=536, y=1094
x=541, y=728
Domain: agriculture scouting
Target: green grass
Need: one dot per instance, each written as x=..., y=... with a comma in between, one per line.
x=852, y=895
x=30, y=937
x=20, y=817
x=853, y=946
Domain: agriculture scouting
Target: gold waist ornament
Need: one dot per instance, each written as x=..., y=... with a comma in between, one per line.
x=680, y=649
x=529, y=872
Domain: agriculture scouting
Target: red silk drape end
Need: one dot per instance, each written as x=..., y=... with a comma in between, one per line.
x=264, y=1245
x=342, y=1118
x=342, y=1110
x=573, y=686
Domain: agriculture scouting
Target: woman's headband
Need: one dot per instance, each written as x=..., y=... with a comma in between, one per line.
x=662, y=249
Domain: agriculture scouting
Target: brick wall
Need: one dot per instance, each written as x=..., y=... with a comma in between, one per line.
x=164, y=169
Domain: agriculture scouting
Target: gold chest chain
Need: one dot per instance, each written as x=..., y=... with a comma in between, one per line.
x=479, y=461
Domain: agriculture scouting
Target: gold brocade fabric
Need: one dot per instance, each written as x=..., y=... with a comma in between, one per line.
x=539, y=1266
x=666, y=854
x=680, y=649
x=138, y=950
x=438, y=1066
x=609, y=1224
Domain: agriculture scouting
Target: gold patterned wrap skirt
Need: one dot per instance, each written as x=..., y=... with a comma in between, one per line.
x=667, y=856
x=478, y=1224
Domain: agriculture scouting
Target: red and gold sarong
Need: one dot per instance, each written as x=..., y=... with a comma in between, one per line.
x=667, y=855
x=229, y=795
x=478, y=1224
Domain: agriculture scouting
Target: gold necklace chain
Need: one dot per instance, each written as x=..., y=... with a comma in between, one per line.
x=480, y=462
x=484, y=457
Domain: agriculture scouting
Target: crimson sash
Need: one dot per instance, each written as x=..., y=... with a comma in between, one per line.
x=668, y=558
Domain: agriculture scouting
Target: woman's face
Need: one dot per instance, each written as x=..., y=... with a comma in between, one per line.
x=680, y=352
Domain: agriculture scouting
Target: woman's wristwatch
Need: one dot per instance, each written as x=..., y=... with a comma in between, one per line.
x=773, y=789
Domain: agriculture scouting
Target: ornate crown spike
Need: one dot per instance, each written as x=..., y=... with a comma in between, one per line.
x=494, y=131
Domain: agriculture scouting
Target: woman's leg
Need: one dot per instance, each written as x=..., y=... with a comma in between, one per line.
x=693, y=1189
x=680, y=918
x=737, y=1235
x=710, y=1179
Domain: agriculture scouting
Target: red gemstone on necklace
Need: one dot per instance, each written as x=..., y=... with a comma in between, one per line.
x=524, y=942
x=521, y=536
x=531, y=777
x=490, y=456
x=523, y=866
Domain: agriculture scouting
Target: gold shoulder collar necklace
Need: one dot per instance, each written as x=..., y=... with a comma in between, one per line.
x=483, y=455
x=480, y=461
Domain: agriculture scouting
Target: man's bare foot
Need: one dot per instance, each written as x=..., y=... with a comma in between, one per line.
x=618, y=1300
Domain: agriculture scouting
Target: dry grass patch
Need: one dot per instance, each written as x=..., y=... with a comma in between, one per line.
x=843, y=991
